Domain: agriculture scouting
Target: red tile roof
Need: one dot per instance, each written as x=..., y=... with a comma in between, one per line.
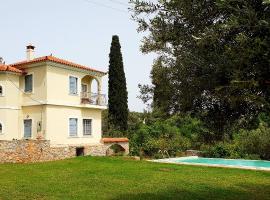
x=20, y=65
x=8, y=68
x=112, y=140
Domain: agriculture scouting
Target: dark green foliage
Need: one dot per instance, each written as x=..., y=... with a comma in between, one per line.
x=215, y=59
x=158, y=138
x=118, y=99
x=171, y=136
x=134, y=121
x=248, y=144
x=160, y=91
x=219, y=150
x=255, y=142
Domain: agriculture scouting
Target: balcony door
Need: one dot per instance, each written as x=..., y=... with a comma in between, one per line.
x=84, y=91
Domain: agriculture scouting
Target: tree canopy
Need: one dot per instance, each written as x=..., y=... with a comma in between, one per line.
x=118, y=99
x=213, y=58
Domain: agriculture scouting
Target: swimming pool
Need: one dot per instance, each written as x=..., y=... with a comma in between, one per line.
x=219, y=162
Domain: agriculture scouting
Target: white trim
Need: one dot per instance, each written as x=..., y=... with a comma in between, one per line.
x=91, y=134
x=67, y=104
x=10, y=107
x=8, y=72
x=3, y=128
x=3, y=90
x=32, y=126
x=71, y=68
x=78, y=85
x=33, y=83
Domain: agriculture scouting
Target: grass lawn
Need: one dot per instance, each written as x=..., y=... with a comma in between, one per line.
x=121, y=178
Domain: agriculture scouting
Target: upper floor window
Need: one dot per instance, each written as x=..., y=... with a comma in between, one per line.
x=73, y=85
x=1, y=128
x=73, y=127
x=1, y=91
x=28, y=83
x=87, y=126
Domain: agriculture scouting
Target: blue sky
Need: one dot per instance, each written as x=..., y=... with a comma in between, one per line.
x=76, y=30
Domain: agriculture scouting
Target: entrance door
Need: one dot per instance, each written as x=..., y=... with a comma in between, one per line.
x=27, y=128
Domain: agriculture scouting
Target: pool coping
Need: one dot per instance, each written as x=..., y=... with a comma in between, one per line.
x=171, y=161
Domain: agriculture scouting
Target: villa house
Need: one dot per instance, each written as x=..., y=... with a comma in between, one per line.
x=51, y=99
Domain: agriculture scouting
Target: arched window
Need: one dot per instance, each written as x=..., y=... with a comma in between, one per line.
x=1, y=90
x=1, y=128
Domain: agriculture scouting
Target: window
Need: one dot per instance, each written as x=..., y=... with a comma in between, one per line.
x=73, y=85
x=27, y=128
x=87, y=126
x=28, y=83
x=73, y=127
x=1, y=128
x=1, y=91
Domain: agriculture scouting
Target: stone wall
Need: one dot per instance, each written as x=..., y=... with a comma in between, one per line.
x=193, y=153
x=24, y=151
x=124, y=145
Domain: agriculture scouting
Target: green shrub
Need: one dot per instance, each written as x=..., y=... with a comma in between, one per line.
x=219, y=150
x=254, y=143
x=159, y=136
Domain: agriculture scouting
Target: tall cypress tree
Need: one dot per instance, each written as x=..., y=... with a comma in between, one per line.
x=118, y=99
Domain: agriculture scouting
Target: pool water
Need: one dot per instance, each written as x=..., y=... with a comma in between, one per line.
x=238, y=163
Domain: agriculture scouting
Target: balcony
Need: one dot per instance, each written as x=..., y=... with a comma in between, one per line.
x=93, y=99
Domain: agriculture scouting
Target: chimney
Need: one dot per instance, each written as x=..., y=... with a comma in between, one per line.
x=30, y=52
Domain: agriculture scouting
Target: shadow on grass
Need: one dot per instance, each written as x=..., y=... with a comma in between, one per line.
x=243, y=192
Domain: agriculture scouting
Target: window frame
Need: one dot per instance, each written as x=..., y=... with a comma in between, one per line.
x=77, y=83
x=83, y=127
x=77, y=127
x=29, y=74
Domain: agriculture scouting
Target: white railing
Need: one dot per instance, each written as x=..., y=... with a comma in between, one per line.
x=93, y=99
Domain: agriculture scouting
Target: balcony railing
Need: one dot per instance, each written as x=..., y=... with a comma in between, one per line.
x=93, y=99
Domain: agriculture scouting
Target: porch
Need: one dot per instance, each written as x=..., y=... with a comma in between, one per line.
x=91, y=91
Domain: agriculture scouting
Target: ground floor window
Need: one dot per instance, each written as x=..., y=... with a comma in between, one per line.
x=73, y=127
x=87, y=126
x=27, y=128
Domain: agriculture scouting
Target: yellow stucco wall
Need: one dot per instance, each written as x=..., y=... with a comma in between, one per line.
x=51, y=89
x=57, y=125
x=3, y=83
x=39, y=92
x=37, y=114
x=9, y=119
x=60, y=77
x=12, y=96
x=10, y=106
